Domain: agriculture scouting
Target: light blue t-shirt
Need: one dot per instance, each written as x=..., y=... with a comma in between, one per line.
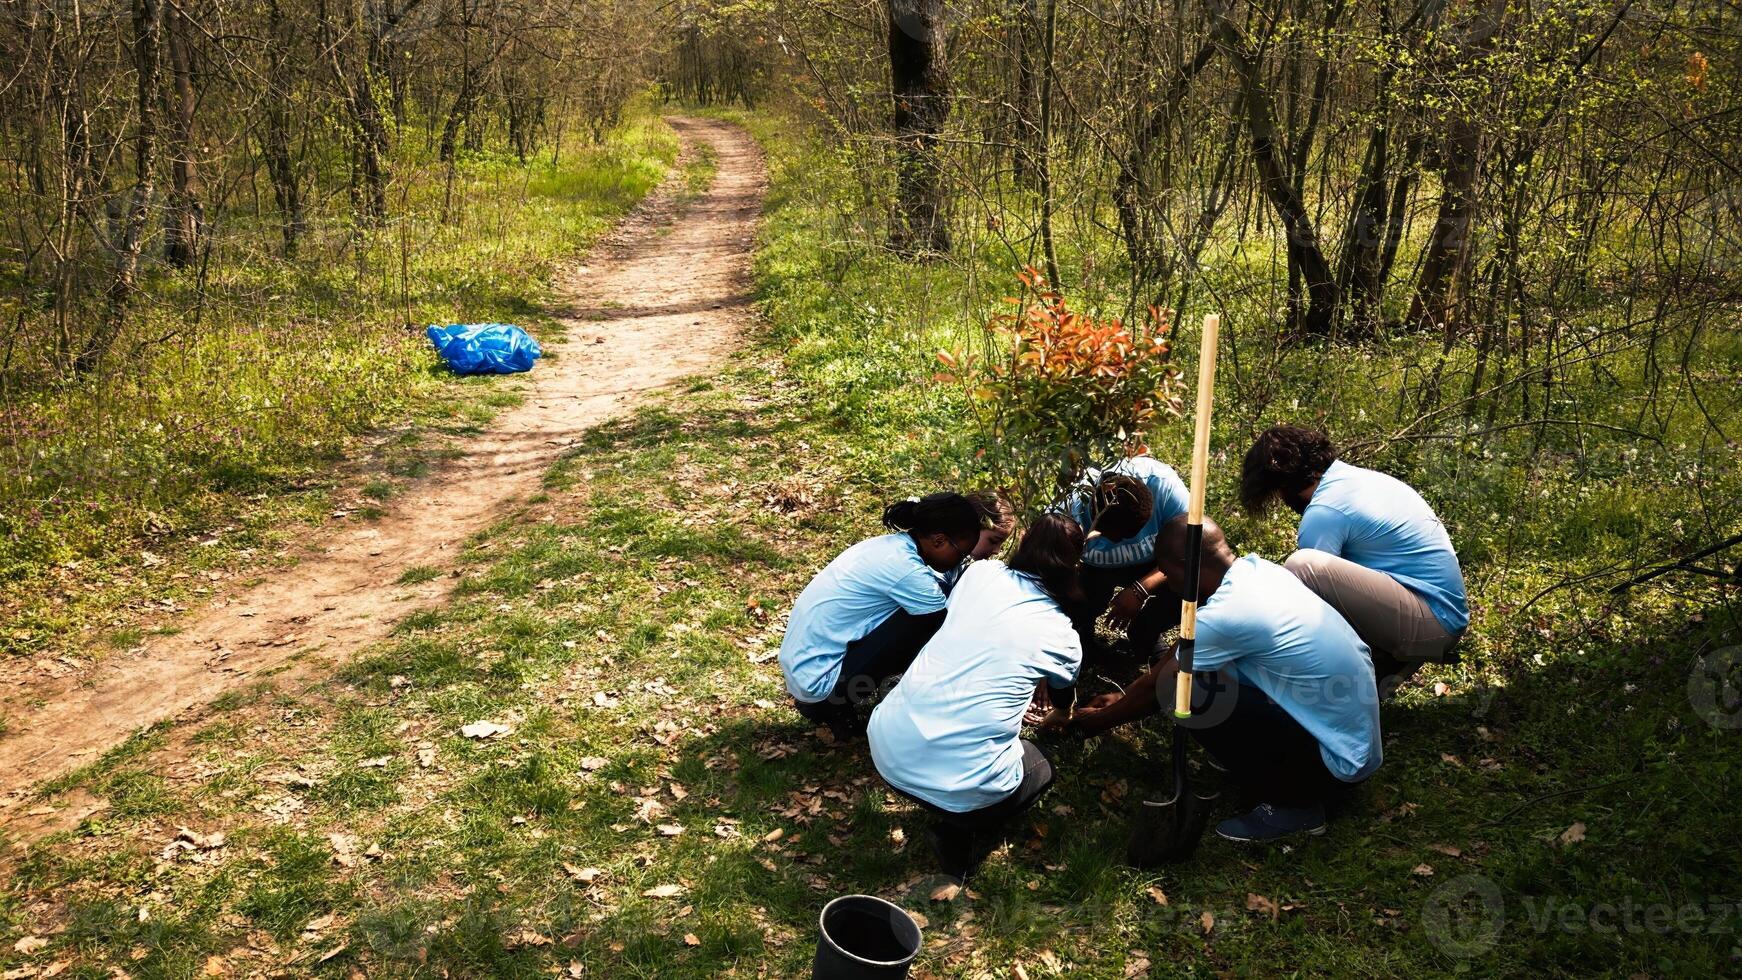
x=1281, y=638
x=849, y=598
x=1380, y=522
x=949, y=733
x=1164, y=485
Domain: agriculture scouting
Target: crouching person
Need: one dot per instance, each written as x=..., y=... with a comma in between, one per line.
x=865, y=616
x=1284, y=699
x=1369, y=545
x=948, y=736
x=1125, y=504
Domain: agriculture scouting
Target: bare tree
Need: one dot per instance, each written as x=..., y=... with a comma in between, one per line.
x=919, y=86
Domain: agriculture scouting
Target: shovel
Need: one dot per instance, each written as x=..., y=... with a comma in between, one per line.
x=1169, y=830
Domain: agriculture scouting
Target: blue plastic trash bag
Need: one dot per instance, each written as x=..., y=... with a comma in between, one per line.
x=485, y=348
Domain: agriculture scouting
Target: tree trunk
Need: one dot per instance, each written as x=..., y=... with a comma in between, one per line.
x=1131, y=195
x=367, y=129
x=1363, y=237
x=276, y=138
x=1439, y=292
x=1044, y=154
x=184, y=219
x=1268, y=155
x=920, y=86
x=1024, y=98
x=147, y=46
x=1445, y=268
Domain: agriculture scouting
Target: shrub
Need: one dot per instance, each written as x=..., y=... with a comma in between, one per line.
x=1060, y=390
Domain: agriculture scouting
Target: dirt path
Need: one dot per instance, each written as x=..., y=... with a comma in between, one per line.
x=664, y=297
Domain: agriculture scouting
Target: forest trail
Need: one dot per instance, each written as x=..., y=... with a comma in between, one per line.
x=664, y=297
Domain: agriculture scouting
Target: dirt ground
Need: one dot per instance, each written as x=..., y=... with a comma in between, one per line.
x=663, y=298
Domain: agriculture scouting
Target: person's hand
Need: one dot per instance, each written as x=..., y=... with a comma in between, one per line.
x=1126, y=605
x=1055, y=720
x=1039, y=706
x=1091, y=719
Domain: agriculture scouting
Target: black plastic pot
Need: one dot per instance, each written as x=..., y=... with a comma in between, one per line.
x=864, y=938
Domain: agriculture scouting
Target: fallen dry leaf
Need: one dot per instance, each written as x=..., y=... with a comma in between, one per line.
x=1207, y=921
x=1446, y=849
x=593, y=763
x=946, y=892
x=1573, y=834
x=663, y=891
x=584, y=875
x=774, y=835
x=1423, y=869
x=30, y=944
x=205, y=842
x=1258, y=903
x=1137, y=967
x=1157, y=894
x=670, y=829
x=691, y=939
x=485, y=729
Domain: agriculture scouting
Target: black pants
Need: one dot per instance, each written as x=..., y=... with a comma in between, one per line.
x=1159, y=614
x=871, y=661
x=1266, y=752
x=963, y=837
x=1037, y=776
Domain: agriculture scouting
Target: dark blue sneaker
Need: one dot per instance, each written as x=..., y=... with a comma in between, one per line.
x=1268, y=823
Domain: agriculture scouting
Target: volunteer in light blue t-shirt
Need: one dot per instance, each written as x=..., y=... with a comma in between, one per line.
x=1124, y=504
x=1285, y=698
x=948, y=735
x=1369, y=545
x=867, y=613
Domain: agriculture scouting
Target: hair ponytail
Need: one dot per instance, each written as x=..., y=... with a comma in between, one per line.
x=939, y=513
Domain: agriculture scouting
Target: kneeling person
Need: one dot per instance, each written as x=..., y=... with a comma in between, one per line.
x=1284, y=697
x=1369, y=545
x=1126, y=504
x=948, y=735
x=865, y=615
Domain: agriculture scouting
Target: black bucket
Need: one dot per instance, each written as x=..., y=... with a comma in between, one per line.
x=864, y=938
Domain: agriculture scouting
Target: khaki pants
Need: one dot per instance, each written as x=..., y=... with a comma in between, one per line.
x=1395, y=623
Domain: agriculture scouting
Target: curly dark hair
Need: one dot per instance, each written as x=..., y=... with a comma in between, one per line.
x=1283, y=461
x=1122, y=505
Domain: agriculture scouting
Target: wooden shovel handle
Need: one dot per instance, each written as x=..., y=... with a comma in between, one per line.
x=1188, y=616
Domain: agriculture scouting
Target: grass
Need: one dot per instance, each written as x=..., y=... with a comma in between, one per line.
x=227, y=436
x=655, y=809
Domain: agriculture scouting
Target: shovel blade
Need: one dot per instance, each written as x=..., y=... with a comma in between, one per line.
x=1168, y=832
